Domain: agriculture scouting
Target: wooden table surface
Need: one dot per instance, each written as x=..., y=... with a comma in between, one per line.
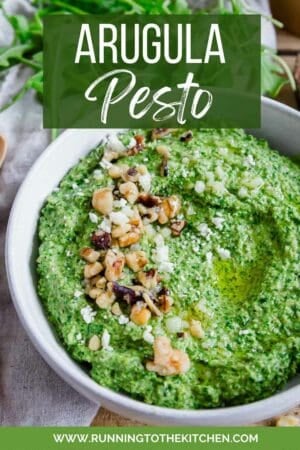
x=288, y=46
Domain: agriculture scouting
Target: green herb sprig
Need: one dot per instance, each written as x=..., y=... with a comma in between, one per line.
x=27, y=46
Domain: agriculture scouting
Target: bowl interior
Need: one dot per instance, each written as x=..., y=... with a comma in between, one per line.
x=280, y=127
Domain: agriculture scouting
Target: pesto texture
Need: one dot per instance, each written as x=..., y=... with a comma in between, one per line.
x=234, y=268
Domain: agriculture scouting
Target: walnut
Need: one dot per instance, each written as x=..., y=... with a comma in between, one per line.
x=103, y=201
x=149, y=200
x=120, y=230
x=140, y=314
x=136, y=220
x=91, y=270
x=196, y=329
x=129, y=238
x=177, y=227
x=95, y=292
x=114, y=264
x=165, y=300
x=136, y=260
x=186, y=137
x=131, y=174
x=169, y=208
x=159, y=133
x=139, y=146
x=90, y=255
x=94, y=343
x=150, y=303
x=167, y=360
x=129, y=295
x=115, y=171
x=148, y=279
x=116, y=310
x=130, y=191
x=105, y=300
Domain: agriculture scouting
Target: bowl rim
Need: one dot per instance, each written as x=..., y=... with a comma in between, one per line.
x=116, y=402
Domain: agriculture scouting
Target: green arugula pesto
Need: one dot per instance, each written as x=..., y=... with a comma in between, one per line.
x=234, y=268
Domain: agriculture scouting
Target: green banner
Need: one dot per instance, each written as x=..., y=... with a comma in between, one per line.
x=132, y=71
x=258, y=438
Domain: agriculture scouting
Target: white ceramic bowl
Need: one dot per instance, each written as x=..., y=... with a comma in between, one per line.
x=281, y=126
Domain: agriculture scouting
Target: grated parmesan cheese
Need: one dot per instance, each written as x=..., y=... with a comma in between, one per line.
x=200, y=187
x=145, y=182
x=123, y=320
x=218, y=222
x=88, y=314
x=223, y=253
x=93, y=217
x=148, y=336
x=118, y=218
x=105, y=340
x=105, y=225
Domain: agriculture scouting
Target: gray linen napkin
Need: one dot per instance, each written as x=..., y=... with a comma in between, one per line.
x=30, y=392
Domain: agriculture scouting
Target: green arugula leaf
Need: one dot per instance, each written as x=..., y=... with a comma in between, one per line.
x=12, y=55
x=27, y=47
x=35, y=82
x=274, y=73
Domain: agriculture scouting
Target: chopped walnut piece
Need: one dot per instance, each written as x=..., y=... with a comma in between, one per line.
x=92, y=282
x=165, y=300
x=151, y=304
x=142, y=209
x=169, y=208
x=149, y=200
x=177, y=227
x=150, y=215
x=105, y=300
x=288, y=421
x=196, y=329
x=131, y=174
x=95, y=292
x=163, y=217
x=163, y=150
x=139, y=145
x=165, y=153
x=158, y=133
x=130, y=191
x=116, y=310
x=148, y=279
x=174, y=206
x=136, y=260
x=136, y=220
x=94, y=343
x=164, y=168
x=118, y=170
x=110, y=155
x=93, y=269
x=142, y=170
x=101, y=283
x=89, y=254
x=186, y=137
x=103, y=201
x=129, y=238
x=140, y=314
x=101, y=240
x=114, y=264
x=120, y=230
x=130, y=296
x=167, y=360
x=182, y=334
x=115, y=171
